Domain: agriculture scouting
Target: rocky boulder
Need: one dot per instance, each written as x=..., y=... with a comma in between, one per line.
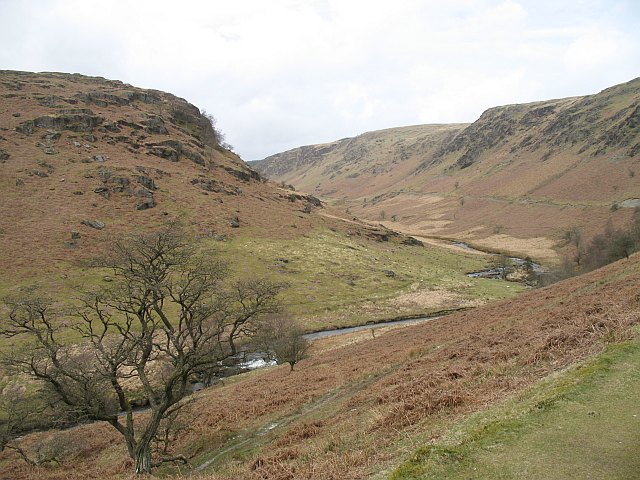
x=146, y=182
x=155, y=125
x=97, y=224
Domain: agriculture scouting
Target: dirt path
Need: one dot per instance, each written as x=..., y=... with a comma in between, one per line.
x=254, y=438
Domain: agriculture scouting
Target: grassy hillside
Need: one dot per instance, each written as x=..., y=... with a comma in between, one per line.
x=581, y=423
x=516, y=179
x=362, y=406
x=356, y=167
x=80, y=152
x=85, y=160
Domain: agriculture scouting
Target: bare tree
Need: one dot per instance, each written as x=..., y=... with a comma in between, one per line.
x=283, y=339
x=574, y=237
x=505, y=265
x=167, y=316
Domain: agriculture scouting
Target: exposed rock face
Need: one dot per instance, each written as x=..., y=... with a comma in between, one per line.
x=167, y=153
x=553, y=124
x=155, y=125
x=309, y=201
x=413, y=242
x=146, y=182
x=244, y=175
x=173, y=150
x=76, y=120
x=146, y=203
x=216, y=186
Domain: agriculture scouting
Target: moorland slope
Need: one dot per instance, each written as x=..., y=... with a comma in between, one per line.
x=85, y=160
x=516, y=179
x=359, y=406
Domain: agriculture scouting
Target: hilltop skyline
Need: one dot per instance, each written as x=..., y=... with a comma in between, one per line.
x=290, y=73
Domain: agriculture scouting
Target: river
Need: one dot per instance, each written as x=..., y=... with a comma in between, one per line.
x=369, y=326
x=497, y=271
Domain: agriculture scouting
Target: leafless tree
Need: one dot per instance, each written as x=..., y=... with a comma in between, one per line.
x=505, y=265
x=283, y=339
x=575, y=238
x=169, y=315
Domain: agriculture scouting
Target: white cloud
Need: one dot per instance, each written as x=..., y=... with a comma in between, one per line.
x=594, y=50
x=283, y=73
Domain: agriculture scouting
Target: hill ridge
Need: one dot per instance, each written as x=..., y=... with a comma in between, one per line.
x=580, y=150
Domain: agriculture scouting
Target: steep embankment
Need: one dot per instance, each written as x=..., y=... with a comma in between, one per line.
x=84, y=160
x=360, y=407
x=515, y=179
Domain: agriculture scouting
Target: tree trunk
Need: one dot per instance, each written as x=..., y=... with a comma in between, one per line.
x=143, y=459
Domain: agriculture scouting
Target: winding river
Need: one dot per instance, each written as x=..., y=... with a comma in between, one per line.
x=369, y=326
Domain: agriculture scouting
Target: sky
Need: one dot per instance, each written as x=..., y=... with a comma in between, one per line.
x=279, y=74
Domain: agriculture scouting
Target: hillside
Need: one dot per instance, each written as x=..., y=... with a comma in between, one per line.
x=78, y=149
x=516, y=179
x=361, y=406
x=355, y=167
x=85, y=160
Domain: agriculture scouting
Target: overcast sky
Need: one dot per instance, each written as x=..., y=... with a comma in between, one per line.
x=278, y=74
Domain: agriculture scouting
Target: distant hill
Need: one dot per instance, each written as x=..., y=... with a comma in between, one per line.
x=516, y=178
x=356, y=166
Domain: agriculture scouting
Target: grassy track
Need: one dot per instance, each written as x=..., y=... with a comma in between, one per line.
x=584, y=423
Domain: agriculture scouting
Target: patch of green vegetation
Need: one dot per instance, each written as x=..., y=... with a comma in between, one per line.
x=348, y=278
x=334, y=280
x=582, y=423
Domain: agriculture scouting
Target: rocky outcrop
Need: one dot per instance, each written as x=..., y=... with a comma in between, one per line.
x=244, y=175
x=77, y=120
x=155, y=125
x=173, y=150
x=97, y=224
x=215, y=186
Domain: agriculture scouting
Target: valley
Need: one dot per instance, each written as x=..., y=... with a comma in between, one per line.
x=515, y=180
x=344, y=237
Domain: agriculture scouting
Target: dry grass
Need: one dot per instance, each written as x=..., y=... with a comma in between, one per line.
x=359, y=402
x=346, y=411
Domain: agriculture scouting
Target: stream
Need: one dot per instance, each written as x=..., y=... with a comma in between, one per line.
x=497, y=271
x=247, y=361
x=368, y=326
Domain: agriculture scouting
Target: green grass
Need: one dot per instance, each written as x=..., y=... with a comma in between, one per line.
x=334, y=280
x=583, y=423
x=343, y=278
